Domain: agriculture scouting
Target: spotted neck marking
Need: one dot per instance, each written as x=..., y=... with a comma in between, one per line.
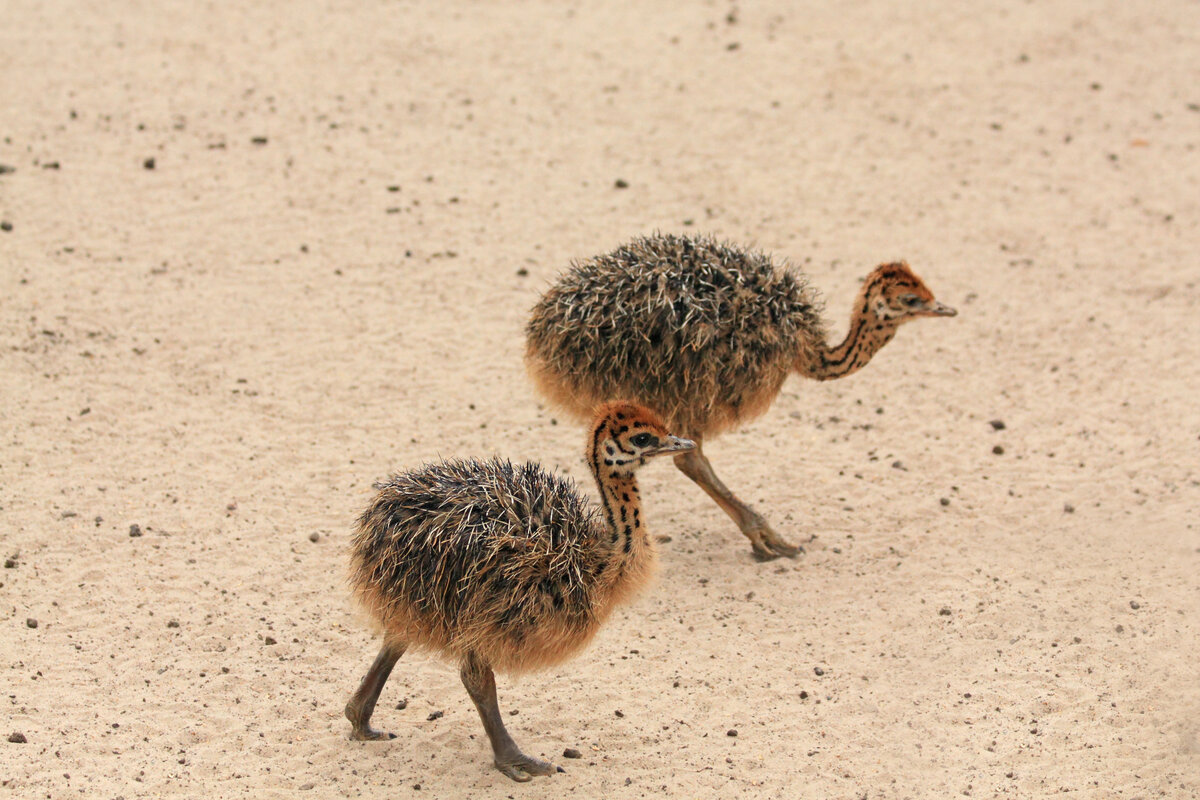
x=872, y=325
x=613, y=468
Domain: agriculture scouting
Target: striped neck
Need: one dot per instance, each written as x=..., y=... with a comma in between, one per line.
x=869, y=331
x=628, y=538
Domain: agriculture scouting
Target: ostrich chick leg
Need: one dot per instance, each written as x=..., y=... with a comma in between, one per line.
x=766, y=543
x=362, y=704
x=481, y=685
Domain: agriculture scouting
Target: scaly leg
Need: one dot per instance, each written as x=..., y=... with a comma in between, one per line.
x=766, y=543
x=362, y=704
x=481, y=685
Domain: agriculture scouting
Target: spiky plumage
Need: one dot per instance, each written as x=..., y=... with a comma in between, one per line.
x=702, y=331
x=482, y=556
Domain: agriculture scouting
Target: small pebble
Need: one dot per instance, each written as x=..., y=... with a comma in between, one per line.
x=435, y=715
x=571, y=752
x=619, y=713
x=16, y=737
x=945, y=501
x=314, y=537
x=1135, y=605
x=258, y=140
x=174, y=623
x=944, y=611
x=1120, y=629
x=135, y=530
x=522, y=272
x=30, y=622
x=148, y=163
x=998, y=450
x=731, y=732
x=5, y=226
x=818, y=670
x=1068, y=508
x=803, y=694
x=997, y=424
x=10, y=563
x=621, y=183
x=268, y=640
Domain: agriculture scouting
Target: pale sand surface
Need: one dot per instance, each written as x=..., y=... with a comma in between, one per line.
x=227, y=350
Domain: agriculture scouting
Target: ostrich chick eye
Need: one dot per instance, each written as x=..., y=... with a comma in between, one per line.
x=910, y=300
x=643, y=440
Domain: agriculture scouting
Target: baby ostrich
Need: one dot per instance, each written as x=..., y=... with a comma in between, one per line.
x=501, y=566
x=705, y=333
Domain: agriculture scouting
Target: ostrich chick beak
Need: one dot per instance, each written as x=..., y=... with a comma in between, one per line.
x=940, y=309
x=673, y=444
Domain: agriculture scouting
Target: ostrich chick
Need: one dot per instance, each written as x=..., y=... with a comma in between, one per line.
x=705, y=333
x=501, y=566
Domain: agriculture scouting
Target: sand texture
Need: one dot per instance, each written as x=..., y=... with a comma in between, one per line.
x=257, y=256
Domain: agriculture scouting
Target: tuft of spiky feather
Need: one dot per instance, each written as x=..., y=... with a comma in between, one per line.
x=703, y=331
x=483, y=556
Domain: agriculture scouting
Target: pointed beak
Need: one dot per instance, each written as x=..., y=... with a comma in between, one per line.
x=674, y=444
x=939, y=309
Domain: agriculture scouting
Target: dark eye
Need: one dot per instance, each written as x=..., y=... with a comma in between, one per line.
x=910, y=300
x=643, y=440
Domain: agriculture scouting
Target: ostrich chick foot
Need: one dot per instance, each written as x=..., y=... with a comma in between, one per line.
x=767, y=544
x=365, y=733
x=521, y=767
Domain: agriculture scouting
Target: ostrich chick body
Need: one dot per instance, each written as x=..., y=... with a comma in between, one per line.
x=705, y=333
x=495, y=565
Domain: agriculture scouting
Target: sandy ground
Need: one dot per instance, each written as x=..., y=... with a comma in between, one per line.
x=325, y=275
